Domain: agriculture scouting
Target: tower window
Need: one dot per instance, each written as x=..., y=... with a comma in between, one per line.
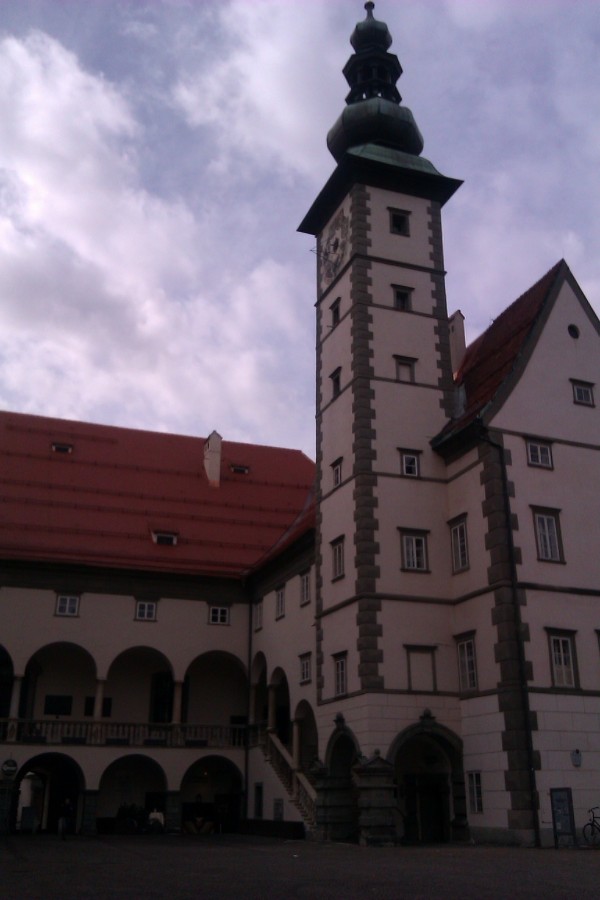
x=400, y=222
x=409, y=463
x=563, y=659
x=402, y=298
x=460, y=546
x=547, y=534
x=335, y=312
x=405, y=368
x=340, y=671
x=336, y=382
x=337, y=558
x=336, y=471
x=539, y=454
x=414, y=550
x=467, y=663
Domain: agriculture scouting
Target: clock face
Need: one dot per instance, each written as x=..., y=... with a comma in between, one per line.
x=334, y=247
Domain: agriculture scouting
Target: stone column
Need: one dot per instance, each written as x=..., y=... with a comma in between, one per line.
x=177, y=702
x=252, y=705
x=99, y=698
x=173, y=811
x=15, y=697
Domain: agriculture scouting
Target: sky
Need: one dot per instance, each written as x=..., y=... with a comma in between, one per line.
x=156, y=159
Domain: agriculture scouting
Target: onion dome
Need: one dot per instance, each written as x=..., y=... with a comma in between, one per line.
x=373, y=114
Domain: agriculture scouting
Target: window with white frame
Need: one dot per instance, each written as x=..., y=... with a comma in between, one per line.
x=145, y=611
x=474, y=790
x=409, y=463
x=337, y=558
x=67, y=605
x=336, y=472
x=547, y=534
x=460, y=546
x=280, y=602
x=340, y=672
x=305, y=668
x=405, y=368
x=304, y=588
x=258, y=615
x=218, y=615
x=467, y=662
x=414, y=550
x=583, y=392
x=562, y=658
x=539, y=453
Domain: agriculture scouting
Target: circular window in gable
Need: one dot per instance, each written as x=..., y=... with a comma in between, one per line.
x=573, y=331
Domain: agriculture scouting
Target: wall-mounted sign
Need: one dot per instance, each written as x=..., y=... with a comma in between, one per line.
x=9, y=768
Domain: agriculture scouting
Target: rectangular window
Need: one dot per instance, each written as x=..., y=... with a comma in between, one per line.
x=475, y=795
x=409, y=463
x=304, y=588
x=145, y=611
x=547, y=533
x=335, y=312
x=258, y=615
x=402, y=298
x=57, y=705
x=414, y=551
x=280, y=602
x=400, y=221
x=467, y=663
x=305, y=668
x=405, y=368
x=88, y=709
x=563, y=659
x=336, y=382
x=165, y=538
x=336, y=471
x=340, y=671
x=420, y=664
x=67, y=605
x=337, y=558
x=460, y=547
x=583, y=392
x=218, y=615
x=539, y=454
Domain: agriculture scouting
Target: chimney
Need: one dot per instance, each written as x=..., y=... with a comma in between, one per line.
x=212, y=458
x=456, y=324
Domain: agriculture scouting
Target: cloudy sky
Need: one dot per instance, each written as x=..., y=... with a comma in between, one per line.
x=156, y=158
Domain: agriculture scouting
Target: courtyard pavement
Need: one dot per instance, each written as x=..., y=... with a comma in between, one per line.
x=227, y=866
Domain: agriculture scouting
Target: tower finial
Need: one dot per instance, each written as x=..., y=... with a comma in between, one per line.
x=369, y=6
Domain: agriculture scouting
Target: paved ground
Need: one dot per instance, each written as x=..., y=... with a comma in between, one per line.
x=173, y=867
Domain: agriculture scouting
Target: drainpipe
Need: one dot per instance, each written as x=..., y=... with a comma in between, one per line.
x=485, y=438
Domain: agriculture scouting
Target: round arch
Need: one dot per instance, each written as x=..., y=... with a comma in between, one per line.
x=58, y=677
x=7, y=672
x=131, y=787
x=139, y=682
x=308, y=737
x=428, y=763
x=215, y=692
x=211, y=795
x=42, y=786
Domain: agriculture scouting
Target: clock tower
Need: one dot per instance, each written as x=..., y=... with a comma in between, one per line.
x=384, y=389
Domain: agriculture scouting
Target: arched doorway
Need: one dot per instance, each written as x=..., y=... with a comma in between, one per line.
x=43, y=786
x=130, y=788
x=281, y=700
x=211, y=795
x=338, y=791
x=427, y=759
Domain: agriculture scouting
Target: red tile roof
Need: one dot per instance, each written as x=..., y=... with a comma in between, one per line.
x=492, y=357
x=99, y=504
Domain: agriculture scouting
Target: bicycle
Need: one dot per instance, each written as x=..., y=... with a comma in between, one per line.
x=591, y=831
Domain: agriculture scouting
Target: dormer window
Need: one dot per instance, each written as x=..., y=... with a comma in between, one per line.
x=165, y=538
x=239, y=469
x=61, y=447
x=400, y=222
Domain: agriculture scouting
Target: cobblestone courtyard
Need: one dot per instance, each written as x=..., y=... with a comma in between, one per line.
x=228, y=866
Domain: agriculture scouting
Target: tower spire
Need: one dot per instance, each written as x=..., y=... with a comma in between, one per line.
x=373, y=114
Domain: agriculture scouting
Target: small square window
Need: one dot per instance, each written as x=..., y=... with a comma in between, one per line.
x=475, y=794
x=335, y=312
x=414, y=551
x=409, y=463
x=583, y=393
x=460, y=546
x=400, y=222
x=280, y=602
x=305, y=668
x=402, y=298
x=340, y=672
x=548, y=536
x=336, y=382
x=145, y=611
x=337, y=558
x=165, y=538
x=405, y=368
x=467, y=663
x=67, y=605
x=563, y=660
x=218, y=615
x=304, y=588
x=61, y=447
x=539, y=454
x=336, y=472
